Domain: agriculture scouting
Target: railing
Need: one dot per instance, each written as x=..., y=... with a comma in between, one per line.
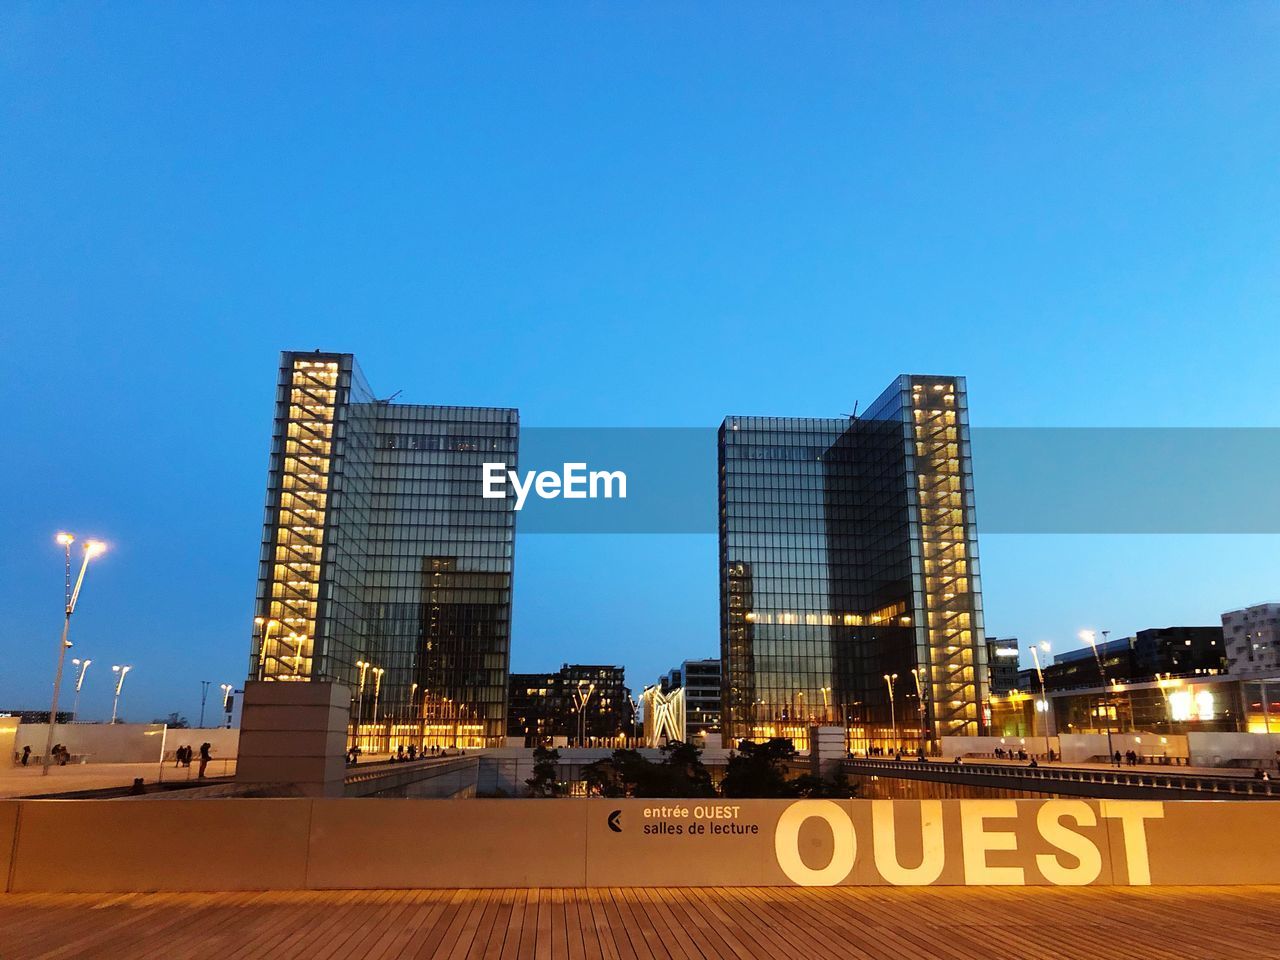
x=1078, y=781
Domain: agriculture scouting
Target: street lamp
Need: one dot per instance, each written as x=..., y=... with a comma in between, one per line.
x=266, y=625
x=1163, y=681
x=355, y=733
x=91, y=549
x=582, y=700
x=120, y=672
x=1044, y=697
x=377, y=689
x=226, y=700
x=889, y=678
x=915, y=673
x=80, y=682
x=1091, y=638
x=826, y=704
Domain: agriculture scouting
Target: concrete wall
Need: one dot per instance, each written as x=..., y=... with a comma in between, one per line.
x=1074, y=747
x=987, y=746
x=303, y=843
x=1234, y=749
x=293, y=737
x=123, y=742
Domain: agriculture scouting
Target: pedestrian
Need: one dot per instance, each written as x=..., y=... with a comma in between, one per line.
x=413, y=751
x=1116, y=758
x=205, y=757
x=26, y=755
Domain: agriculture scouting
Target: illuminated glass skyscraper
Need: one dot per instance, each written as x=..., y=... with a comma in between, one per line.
x=383, y=567
x=849, y=583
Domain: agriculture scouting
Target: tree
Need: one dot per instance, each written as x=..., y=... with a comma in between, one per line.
x=174, y=722
x=757, y=770
x=544, y=782
x=627, y=773
x=602, y=778
x=813, y=787
x=683, y=771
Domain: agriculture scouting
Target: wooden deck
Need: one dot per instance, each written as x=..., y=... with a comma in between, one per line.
x=621, y=924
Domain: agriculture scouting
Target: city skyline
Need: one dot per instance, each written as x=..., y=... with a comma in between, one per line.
x=630, y=221
x=640, y=669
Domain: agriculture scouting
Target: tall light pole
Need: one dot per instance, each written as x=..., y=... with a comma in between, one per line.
x=120, y=672
x=583, y=700
x=1162, y=681
x=889, y=678
x=363, y=665
x=1044, y=696
x=266, y=625
x=84, y=668
x=91, y=549
x=204, y=695
x=377, y=689
x=1091, y=638
x=227, y=690
x=915, y=672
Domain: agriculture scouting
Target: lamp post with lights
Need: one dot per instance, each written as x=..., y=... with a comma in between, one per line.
x=363, y=666
x=266, y=624
x=889, y=679
x=227, y=690
x=1044, y=697
x=83, y=669
x=916, y=673
x=92, y=548
x=1091, y=638
x=377, y=690
x=120, y=672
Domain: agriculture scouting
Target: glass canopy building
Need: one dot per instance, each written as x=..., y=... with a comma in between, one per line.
x=383, y=567
x=849, y=583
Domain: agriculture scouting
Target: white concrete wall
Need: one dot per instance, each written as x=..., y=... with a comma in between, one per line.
x=1082, y=747
x=124, y=742
x=987, y=746
x=1240, y=749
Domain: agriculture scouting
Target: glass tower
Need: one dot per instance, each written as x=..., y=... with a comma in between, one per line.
x=849, y=580
x=383, y=567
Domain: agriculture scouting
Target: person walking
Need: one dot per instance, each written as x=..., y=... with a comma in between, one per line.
x=205, y=757
x=26, y=755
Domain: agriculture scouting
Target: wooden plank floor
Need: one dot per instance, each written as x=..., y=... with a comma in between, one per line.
x=947, y=923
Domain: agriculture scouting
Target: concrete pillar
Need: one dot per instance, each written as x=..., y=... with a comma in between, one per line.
x=826, y=749
x=293, y=737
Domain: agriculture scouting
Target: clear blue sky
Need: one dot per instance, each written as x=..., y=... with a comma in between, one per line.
x=609, y=214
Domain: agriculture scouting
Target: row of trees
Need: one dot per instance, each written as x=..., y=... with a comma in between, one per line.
x=755, y=770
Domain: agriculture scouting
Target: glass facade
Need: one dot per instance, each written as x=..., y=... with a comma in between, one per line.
x=384, y=567
x=850, y=592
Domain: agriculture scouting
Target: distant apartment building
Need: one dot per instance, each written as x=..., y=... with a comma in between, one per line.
x=591, y=701
x=1177, y=651
x=1252, y=640
x=1002, y=664
x=700, y=680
